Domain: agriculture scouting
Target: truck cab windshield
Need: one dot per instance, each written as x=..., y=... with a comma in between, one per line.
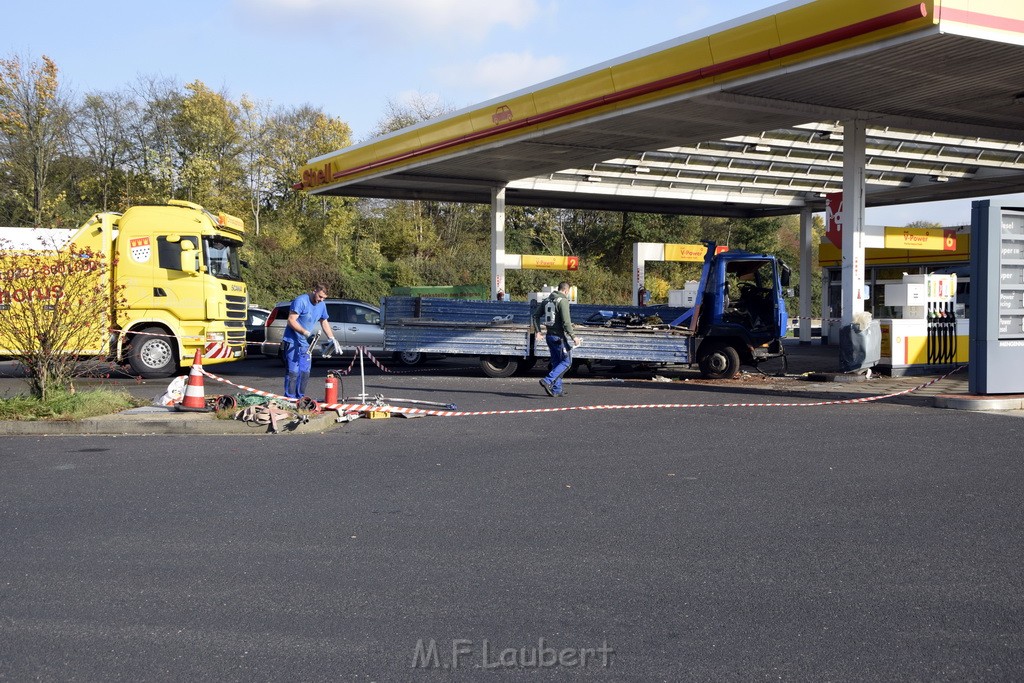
x=222, y=258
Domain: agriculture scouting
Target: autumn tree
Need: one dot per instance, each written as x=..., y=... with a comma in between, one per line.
x=302, y=238
x=34, y=120
x=101, y=131
x=255, y=127
x=55, y=302
x=151, y=164
x=207, y=143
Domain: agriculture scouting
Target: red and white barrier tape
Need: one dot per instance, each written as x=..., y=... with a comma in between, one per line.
x=389, y=371
x=346, y=370
x=251, y=390
x=366, y=407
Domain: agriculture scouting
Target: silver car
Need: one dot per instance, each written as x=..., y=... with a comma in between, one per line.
x=355, y=323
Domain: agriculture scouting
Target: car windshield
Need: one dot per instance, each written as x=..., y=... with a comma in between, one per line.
x=222, y=258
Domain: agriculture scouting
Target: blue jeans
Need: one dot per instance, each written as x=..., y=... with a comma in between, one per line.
x=299, y=361
x=561, y=360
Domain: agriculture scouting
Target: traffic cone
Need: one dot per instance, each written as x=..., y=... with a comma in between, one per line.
x=194, y=398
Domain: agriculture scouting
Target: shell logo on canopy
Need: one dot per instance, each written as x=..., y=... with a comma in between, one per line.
x=315, y=176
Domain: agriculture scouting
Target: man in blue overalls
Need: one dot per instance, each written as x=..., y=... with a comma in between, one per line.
x=307, y=310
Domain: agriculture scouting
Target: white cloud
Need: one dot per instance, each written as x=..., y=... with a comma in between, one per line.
x=406, y=17
x=501, y=73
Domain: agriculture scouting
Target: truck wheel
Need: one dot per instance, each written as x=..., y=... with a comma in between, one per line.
x=152, y=354
x=720, y=362
x=499, y=366
x=409, y=358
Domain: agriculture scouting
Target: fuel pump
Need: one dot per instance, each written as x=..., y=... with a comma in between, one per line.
x=928, y=331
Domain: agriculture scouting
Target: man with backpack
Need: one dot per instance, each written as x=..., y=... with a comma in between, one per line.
x=553, y=314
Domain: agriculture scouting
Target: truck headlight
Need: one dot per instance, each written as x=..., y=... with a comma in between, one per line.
x=214, y=336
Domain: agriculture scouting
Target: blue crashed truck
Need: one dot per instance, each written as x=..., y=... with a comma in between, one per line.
x=739, y=317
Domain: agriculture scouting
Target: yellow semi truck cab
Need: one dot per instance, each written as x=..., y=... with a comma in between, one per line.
x=175, y=281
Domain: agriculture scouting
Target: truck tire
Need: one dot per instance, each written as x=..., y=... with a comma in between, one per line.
x=499, y=366
x=409, y=358
x=720, y=361
x=152, y=354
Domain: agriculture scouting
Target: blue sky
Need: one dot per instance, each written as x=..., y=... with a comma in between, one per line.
x=350, y=57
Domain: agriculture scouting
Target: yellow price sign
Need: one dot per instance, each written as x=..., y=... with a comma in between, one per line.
x=685, y=252
x=934, y=239
x=693, y=253
x=550, y=262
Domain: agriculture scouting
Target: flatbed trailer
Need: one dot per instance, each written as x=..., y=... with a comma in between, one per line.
x=498, y=332
x=719, y=333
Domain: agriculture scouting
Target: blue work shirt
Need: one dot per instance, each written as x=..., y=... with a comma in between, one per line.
x=310, y=315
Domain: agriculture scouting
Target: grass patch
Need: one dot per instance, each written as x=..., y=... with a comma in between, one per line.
x=68, y=406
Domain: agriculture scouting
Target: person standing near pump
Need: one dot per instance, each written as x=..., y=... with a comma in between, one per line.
x=306, y=311
x=553, y=313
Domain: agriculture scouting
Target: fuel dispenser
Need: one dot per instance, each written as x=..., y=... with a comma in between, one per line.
x=931, y=332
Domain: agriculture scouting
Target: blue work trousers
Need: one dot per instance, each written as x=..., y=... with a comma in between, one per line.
x=299, y=362
x=561, y=360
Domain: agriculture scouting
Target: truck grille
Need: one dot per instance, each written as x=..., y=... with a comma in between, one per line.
x=237, y=306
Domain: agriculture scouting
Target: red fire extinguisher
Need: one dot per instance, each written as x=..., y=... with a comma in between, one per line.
x=331, y=389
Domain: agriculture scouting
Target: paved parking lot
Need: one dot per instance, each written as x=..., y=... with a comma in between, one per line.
x=848, y=541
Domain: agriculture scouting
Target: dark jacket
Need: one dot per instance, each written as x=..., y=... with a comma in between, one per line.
x=563, y=321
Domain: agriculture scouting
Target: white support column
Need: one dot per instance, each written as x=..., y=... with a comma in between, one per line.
x=854, y=141
x=806, y=235
x=642, y=253
x=497, y=241
x=638, y=273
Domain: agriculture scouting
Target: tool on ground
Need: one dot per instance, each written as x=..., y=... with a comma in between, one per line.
x=447, y=406
x=271, y=415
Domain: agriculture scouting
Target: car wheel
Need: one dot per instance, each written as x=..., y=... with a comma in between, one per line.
x=152, y=354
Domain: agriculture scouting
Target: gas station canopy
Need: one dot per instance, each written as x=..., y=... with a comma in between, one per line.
x=746, y=119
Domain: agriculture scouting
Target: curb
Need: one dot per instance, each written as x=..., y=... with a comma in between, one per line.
x=992, y=402
x=149, y=420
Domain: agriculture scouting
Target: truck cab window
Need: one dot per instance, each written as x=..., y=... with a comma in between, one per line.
x=168, y=254
x=222, y=258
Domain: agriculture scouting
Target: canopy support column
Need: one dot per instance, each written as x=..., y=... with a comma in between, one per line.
x=854, y=157
x=497, y=242
x=806, y=234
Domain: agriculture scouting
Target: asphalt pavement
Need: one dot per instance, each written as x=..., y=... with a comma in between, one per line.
x=724, y=541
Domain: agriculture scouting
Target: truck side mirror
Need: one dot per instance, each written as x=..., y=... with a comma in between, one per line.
x=189, y=258
x=785, y=275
